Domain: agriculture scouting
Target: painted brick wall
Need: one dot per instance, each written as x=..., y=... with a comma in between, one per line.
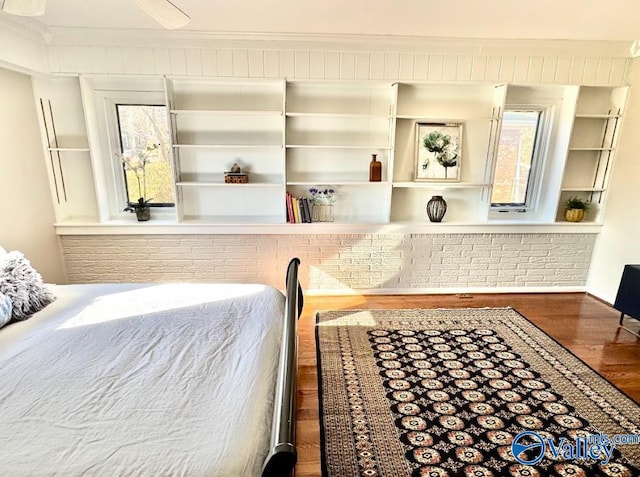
x=377, y=262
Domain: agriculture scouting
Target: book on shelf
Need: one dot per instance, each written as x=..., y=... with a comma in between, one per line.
x=290, y=216
x=307, y=209
x=298, y=209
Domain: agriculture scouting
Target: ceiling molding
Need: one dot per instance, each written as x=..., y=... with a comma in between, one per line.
x=189, y=39
x=27, y=27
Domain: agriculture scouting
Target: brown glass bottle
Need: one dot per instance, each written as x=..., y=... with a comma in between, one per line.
x=375, y=169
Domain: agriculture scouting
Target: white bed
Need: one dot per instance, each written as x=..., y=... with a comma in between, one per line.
x=150, y=380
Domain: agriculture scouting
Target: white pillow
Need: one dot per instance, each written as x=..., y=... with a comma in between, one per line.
x=5, y=309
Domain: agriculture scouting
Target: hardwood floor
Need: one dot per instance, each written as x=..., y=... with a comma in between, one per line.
x=583, y=324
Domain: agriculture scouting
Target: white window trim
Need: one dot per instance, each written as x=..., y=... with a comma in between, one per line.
x=539, y=163
x=110, y=147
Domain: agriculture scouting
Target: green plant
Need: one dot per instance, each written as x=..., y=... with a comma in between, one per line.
x=136, y=205
x=577, y=203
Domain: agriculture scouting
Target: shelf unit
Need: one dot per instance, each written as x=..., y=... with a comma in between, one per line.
x=594, y=136
x=215, y=123
x=291, y=135
x=332, y=129
x=478, y=108
x=66, y=150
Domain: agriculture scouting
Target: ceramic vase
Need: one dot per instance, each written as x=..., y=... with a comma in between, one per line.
x=574, y=215
x=436, y=208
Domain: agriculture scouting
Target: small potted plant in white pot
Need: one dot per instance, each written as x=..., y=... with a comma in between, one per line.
x=136, y=162
x=575, y=209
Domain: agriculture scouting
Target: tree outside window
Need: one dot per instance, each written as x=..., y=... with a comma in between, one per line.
x=141, y=128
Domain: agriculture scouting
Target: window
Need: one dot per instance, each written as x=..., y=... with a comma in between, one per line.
x=144, y=141
x=519, y=159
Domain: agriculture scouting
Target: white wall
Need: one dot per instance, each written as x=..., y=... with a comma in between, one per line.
x=26, y=210
x=619, y=242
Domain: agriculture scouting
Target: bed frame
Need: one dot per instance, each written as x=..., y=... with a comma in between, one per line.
x=282, y=452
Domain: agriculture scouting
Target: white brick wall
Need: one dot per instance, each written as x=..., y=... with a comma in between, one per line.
x=337, y=262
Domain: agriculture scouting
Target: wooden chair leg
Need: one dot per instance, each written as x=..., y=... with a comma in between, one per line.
x=620, y=325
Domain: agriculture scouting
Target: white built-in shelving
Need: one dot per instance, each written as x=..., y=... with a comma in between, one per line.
x=477, y=107
x=332, y=129
x=214, y=124
x=291, y=135
x=66, y=147
x=594, y=135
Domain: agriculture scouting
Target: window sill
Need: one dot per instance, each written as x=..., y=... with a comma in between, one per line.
x=171, y=227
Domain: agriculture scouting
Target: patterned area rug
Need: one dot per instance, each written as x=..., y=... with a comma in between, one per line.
x=464, y=392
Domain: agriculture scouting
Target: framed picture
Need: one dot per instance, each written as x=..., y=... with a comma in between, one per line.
x=438, y=151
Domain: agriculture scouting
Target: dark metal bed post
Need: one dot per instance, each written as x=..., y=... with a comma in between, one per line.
x=282, y=454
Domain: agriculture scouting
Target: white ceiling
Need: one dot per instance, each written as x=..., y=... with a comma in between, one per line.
x=498, y=19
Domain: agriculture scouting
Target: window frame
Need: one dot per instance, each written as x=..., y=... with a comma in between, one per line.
x=539, y=159
x=118, y=129
x=116, y=188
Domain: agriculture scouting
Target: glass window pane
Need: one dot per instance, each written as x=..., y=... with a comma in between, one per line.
x=144, y=138
x=515, y=156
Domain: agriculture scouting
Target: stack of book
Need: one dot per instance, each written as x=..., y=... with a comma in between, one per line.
x=298, y=209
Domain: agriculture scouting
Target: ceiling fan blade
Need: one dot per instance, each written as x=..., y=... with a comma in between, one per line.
x=25, y=8
x=165, y=13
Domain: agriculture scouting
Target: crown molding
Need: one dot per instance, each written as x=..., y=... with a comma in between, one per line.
x=26, y=27
x=152, y=38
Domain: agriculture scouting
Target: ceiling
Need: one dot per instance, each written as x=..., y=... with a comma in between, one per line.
x=616, y=20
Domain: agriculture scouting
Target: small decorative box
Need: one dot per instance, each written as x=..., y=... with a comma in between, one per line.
x=236, y=177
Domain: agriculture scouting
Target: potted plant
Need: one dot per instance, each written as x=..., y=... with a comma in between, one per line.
x=575, y=209
x=136, y=162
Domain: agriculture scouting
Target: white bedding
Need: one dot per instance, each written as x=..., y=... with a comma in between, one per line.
x=141, y=380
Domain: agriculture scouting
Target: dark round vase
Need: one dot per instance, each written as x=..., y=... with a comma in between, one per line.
x=436, y=208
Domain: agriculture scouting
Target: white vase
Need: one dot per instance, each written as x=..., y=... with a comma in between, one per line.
x=322, y=211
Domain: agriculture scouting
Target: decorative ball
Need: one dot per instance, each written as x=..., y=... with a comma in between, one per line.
x=236, y=168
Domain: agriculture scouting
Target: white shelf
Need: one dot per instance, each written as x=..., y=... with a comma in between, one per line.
x=591, y=148
x=597, y=116
x=235, y=112
x=227, y=146
x=277, y=225
x=440, y=185
x=582, y=189
x=428, y=119
x=336, y=115
x=337, y=183
x=224, y=184
x=68, y=149
x=332, y=146
x=234, y=220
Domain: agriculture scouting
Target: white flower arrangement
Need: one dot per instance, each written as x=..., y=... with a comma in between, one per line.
x=322, y=195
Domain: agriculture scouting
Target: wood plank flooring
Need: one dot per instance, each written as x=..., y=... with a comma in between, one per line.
x=583, y=324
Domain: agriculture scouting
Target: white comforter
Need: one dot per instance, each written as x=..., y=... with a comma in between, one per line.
x=141, y=380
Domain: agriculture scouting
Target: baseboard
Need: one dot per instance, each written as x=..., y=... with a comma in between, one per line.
x=441, y=291
x=601, y=300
